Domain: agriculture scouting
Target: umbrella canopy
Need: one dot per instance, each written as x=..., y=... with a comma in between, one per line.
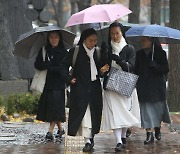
x=28, y=44
x=98, y=14
x=164, y=34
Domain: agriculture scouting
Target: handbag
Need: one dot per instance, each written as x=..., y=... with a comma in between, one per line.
x=121, y=82
x=39, y=78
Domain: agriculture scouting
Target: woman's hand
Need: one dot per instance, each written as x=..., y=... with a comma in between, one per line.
x=73, y=81
x=104, y=69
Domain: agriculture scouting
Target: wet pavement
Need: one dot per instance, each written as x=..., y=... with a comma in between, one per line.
x=29, y=139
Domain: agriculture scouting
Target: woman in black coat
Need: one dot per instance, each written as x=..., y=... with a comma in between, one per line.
x=52, y=101
x=152, y=68
x=86, y=92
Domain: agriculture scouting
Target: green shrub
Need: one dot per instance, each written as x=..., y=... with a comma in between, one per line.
x=1, y=101
x=23, y=102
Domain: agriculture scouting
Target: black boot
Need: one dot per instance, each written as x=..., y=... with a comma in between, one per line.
x=157, y=133
x=149, y=138
x=128, y=132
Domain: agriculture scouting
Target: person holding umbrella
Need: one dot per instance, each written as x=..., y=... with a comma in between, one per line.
x=152, y=68
x=119, y=112
x=86, y=92
x=52, y=101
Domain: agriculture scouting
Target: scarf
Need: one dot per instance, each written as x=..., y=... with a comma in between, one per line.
x=117, y=47
x=90, y=54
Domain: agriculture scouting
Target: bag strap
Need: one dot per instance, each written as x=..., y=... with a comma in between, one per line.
x=75, y=55
x=44, y=54
x=76, y=50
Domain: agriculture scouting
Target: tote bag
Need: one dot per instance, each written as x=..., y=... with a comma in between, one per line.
x=39, y=78
x=121, y=82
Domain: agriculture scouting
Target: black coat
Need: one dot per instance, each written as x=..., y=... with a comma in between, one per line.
x=126, y=60
x=54, y=79
x=83, y=92
x=151, y=85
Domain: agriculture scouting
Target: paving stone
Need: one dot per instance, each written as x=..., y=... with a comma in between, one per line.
x=7, y=134
x=8, y=138
x=12, y=126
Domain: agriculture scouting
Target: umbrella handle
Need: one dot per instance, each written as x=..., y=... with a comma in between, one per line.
x=153, y=53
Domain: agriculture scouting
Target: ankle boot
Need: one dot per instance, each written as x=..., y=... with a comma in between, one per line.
x=157, y=133
x=149, y=138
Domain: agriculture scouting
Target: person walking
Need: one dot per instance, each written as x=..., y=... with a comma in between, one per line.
x=52, y=101
x=119, y=111
x=86, y=93
x=152, y=68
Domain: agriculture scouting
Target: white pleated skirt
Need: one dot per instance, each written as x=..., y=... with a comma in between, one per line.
x=120, y=111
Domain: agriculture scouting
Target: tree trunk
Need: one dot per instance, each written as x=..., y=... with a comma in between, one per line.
x=17, y=23
x=74, y=9
x=134, y=6
x=60, y=12
x=174, y=58
x=83, y=4
x=8, y=68
x=155, y=11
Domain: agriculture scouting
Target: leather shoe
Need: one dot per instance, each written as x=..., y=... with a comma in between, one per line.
x=118, y=147
x=157, y=133
x=87, y=148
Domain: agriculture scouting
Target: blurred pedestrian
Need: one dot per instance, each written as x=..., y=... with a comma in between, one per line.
x=86, y=92
x=119, y=111
x=52, y=101
x=152, y=68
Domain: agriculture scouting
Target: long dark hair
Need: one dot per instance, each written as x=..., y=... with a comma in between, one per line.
x=115, y=24
x=60, y=45
x=86, y=33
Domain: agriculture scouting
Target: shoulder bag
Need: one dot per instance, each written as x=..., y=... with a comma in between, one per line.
x=39, y=78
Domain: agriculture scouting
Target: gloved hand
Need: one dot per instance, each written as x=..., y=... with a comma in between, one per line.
x=152, y=64
x=116, y=58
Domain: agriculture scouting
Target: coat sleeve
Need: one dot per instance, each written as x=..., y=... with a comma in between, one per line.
x=65, y=65
x=161, y=66
x=56, y=69
x=136, y=63
x=128, y=63
x=39, y=63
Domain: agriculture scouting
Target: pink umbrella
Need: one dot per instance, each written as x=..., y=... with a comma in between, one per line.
x=98, y=13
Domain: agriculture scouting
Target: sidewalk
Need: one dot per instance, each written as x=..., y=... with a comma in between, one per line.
x=30, y=140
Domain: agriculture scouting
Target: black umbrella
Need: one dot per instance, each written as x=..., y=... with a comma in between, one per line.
x=28, y=44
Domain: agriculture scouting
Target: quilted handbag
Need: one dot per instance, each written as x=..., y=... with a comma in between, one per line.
x=121, y=82
x=39, y=78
